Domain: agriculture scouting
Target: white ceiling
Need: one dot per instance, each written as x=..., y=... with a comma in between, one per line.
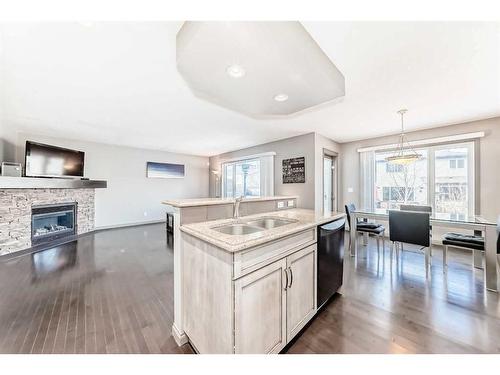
x=118, y=83
x=278, y=58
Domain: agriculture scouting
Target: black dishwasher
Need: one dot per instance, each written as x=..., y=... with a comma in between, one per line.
x=330, y=259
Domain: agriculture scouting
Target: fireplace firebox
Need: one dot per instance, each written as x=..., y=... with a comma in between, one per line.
x=53, y=222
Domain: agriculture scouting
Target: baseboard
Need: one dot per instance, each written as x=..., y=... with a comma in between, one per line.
x=179, y=337
x=135, y=224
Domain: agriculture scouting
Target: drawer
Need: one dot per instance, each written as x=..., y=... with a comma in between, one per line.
x=256, y=257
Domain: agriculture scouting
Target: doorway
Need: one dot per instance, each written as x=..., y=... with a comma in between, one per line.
x=329, y=181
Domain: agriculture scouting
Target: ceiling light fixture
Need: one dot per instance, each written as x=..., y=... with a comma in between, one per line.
x=281, y=97
x=235, y=71
x=405, y=154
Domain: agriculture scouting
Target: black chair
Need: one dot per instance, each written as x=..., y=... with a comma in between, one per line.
x=170, y=223
x=410, y=227
x=462, y=241
x=365, y=227
x=416, y=208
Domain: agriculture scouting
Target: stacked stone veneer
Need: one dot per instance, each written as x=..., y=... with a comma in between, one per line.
x=15, y=213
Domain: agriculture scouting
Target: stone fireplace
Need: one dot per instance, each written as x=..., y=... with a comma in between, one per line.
x=32, y=217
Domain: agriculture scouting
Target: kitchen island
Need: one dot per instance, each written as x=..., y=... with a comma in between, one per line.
x=249, y=284
x=196, y=210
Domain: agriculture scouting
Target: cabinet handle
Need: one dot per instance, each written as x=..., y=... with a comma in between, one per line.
x=291, y=277
x=286, y=282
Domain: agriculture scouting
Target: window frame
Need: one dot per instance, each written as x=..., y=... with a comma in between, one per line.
x=431, y=175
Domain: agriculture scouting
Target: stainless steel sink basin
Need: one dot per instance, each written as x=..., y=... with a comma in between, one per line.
x=270, y=222
x=237, y=229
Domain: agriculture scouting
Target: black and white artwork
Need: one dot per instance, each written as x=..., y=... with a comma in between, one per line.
x=164, y=170
x=294, y=170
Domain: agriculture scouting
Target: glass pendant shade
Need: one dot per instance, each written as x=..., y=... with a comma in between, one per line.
x=405, y=153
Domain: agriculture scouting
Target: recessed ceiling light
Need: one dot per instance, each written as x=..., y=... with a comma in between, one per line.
x=281, y=97
x=235, y=71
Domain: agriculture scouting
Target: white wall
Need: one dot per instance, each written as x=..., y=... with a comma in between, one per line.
x=302, y=145
x=488, y=201
x=130, y=197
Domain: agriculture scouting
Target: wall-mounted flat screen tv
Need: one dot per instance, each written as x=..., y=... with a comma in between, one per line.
x=51, y=161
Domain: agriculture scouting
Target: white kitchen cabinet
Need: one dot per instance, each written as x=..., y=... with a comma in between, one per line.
x=274, y=303
x=301, y=292
x=260, y=310
x=253, y=302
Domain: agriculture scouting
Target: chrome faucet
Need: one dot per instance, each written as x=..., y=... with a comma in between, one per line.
x=236, y=207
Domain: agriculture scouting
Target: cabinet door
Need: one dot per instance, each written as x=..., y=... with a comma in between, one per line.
x=301, y=293
x=260, y=315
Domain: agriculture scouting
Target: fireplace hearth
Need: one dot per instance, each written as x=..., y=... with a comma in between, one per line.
x=53, y=222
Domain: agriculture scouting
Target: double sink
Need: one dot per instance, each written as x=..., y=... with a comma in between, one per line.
x=253, y=225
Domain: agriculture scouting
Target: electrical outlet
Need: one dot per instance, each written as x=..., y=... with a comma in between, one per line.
x=281, y=204
x=290, y=203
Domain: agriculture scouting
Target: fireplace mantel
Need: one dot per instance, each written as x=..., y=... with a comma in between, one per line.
x=49, y=183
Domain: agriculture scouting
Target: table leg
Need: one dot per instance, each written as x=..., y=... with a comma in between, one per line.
x=353, y=229
x=490, y=256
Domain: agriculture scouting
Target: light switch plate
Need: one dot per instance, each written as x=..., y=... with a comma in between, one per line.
x=281, y=204
x=290, y=203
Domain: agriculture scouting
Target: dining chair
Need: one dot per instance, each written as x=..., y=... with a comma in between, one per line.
x=417, y=208
x=366, y=228
x=410, y=227
x=462, y=241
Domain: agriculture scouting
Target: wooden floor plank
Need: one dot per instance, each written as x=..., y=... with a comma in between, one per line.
x=117, y=297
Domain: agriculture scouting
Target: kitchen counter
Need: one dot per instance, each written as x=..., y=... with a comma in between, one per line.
x=196, y=202
x=233, y=243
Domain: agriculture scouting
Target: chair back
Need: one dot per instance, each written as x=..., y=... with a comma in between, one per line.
x=413, y=207
x=498, y=239
x=409, y=227
x=348, y=209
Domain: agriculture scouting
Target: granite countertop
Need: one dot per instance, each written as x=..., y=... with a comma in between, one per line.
x=194, y=202
x=305, y=219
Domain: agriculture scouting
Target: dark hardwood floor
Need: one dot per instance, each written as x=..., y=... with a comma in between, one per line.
x=109, y=292
x=112, y=292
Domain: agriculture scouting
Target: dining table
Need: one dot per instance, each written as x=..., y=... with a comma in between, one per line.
x=487, y=225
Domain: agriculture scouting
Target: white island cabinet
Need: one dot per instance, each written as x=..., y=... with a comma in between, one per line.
x=273, y=303
x=249, y=293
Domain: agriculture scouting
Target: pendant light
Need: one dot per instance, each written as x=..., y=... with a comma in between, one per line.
x=405, y=154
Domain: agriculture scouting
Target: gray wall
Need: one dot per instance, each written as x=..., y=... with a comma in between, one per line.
x=310, y=145
x=489, y=159
x=302, y=145
x=130, y=197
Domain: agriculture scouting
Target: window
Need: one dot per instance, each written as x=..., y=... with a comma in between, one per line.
x=242, y=178
x=251, y=176
x=400, y=184
x=453, y=181
x=457, y=163
x=442, y=178
x=394, y=168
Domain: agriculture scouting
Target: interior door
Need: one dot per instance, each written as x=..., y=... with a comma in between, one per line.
x=301, y=293
x=260, y=310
